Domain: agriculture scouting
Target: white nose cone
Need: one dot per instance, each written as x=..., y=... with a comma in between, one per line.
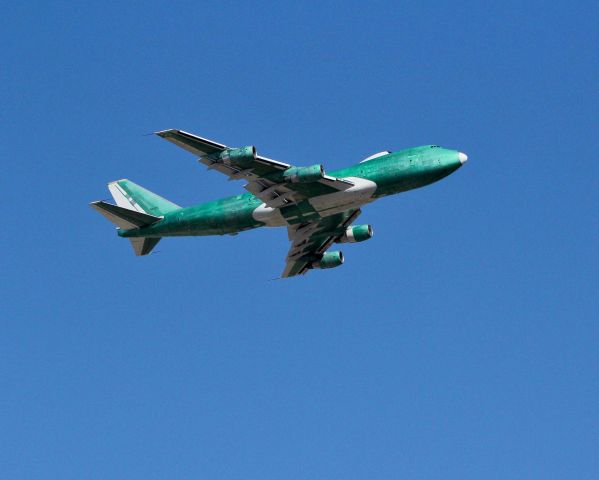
x=462, y=157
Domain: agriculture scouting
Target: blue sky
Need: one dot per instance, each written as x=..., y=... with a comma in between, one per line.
x=460, y=342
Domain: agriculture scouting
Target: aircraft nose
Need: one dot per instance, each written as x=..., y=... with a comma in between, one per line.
x=462, y=157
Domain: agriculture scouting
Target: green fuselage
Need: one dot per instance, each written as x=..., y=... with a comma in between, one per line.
x=391, y=173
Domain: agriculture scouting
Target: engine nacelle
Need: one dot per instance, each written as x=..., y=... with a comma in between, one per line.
x=240, y=157
x=329, y=260
x=356, y=233
x=304, y=174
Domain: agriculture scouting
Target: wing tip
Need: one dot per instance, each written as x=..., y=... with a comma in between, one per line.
x=166, y=133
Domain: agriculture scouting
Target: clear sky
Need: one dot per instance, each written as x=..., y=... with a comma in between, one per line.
x=461, y=342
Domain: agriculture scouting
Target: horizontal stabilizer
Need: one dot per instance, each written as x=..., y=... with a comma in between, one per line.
x=143, y=245
x=123, y=217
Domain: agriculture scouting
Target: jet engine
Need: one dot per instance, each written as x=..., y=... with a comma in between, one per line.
x=240, y=157
x=329, y=260
x=304, y=174
x=356, y=233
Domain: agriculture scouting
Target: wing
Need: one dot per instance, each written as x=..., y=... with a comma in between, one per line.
x=267, y=179
x=310, y=240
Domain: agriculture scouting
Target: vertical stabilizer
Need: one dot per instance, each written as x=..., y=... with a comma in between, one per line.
x=132, y=196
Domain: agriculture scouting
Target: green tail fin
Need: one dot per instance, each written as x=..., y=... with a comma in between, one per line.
x=128, y=194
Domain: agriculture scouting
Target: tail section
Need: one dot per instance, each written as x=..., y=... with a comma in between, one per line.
x=135, y=208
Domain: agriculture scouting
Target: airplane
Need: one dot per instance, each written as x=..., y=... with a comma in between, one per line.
x=318, y=208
